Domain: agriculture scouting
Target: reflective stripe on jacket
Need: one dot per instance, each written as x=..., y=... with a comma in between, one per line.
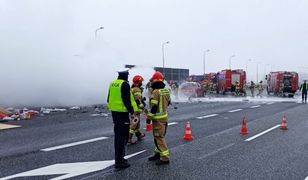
x=162, y=103
x=137, y=93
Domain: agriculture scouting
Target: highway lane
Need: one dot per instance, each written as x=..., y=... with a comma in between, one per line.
x=71, y=126
x=207, y=128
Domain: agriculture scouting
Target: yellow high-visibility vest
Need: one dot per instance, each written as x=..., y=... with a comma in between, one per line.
x=115, y=97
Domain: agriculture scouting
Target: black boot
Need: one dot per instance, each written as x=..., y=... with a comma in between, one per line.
x=154, y=157
x=161, y=162
x=122, y=165
x=140, y=136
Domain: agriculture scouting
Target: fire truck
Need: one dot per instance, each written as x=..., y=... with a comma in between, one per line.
x=282, y=83
x=226, y=81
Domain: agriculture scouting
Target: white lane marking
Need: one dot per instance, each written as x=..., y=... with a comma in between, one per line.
x=270, y=103
x=216, y=151
x=207, y=116
x=8, y=126
x=306, y=178
x=73, y=144
x=252, y=107
x=260, y=134
x=69, y=170
x=172, y=123
x=235, y=110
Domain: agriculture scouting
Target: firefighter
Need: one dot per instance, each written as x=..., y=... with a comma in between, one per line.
x=304, y=89
x=137, y=93
x=260, y=88
x=212, y=86
x=175, y=88
x=252, y=88
x=243, y=91
x=148, y=88
x=121, y=103
x=205, y=87
x=237, y=88
x=160, y=100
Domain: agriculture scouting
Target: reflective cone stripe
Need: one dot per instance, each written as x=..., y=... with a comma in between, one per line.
x=188, y=132
x=284, y=124
x=244, y=129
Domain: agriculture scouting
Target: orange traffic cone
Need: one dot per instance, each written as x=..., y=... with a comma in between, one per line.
x=149, y=127
x=188, y=134
x=284, y=124
x=244, y=129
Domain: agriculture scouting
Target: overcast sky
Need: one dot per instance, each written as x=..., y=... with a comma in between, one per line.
x=48, y=47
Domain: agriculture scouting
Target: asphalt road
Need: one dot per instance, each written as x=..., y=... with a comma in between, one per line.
x=218, y=151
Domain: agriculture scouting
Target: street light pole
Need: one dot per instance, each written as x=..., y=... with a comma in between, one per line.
x=258, y=71
x=230, y=61
x=265, y=69
x=98, y=30
x=163, y=52
x=248, y=60
x=204, y=60
x=272, y=67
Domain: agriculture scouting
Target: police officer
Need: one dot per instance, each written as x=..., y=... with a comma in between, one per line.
x=160, y=100
x=304, y=89
x=121, y=103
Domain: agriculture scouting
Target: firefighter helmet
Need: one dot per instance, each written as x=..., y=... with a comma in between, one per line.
x=158, y=76
x=137, y=79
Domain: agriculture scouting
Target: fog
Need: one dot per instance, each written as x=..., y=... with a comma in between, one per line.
x=49, y=54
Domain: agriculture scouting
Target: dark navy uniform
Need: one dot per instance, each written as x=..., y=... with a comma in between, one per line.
x=121, y=103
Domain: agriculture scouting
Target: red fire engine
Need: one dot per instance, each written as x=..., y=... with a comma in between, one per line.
x=226, y=80
x=282, y=83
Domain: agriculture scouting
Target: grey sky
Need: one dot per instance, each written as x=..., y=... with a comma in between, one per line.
x=49, y=46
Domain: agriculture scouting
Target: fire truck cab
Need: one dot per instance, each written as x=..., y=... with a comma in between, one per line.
x=226, y=81
x=282, y=83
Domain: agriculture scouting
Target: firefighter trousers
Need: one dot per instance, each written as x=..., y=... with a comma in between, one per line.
x=135, y=129
x=304, y=96
x=159, y=132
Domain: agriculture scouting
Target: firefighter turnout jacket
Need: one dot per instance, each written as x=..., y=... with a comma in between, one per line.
x=161, y=99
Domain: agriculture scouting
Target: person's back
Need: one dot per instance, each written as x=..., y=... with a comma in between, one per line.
x=304, y=89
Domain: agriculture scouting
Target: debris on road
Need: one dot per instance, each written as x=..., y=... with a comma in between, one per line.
x=5, y=112
x=2, y=116
x=16, y=114
x=99, y=114
x=8, y=119
x=75, y=108
x=59, y=110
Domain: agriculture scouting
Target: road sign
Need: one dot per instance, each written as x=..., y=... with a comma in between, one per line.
x=68, y=170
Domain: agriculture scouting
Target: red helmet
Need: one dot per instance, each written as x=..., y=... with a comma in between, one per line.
x=158, y=76
x=137, y=79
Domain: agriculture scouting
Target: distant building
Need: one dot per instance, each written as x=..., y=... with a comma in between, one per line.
x=175, y=74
